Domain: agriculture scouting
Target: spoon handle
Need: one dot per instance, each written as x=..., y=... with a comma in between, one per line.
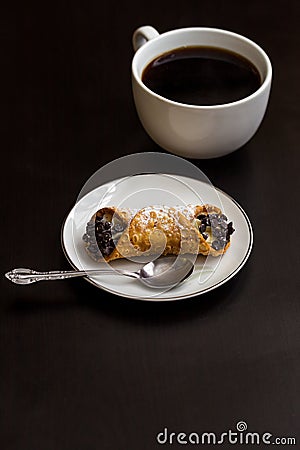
x=29, y=276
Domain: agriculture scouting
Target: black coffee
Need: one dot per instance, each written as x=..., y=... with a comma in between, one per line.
x=202, y=76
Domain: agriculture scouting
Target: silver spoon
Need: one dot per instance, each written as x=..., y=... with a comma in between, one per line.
x=164, y=272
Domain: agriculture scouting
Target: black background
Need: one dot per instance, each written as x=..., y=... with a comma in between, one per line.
x=82, y=369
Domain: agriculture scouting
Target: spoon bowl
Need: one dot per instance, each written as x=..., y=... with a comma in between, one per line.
x=166, y=272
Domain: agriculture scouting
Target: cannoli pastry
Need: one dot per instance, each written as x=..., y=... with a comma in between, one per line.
x=114, y=233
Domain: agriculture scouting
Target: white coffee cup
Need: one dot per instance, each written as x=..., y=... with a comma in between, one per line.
x=196, y=131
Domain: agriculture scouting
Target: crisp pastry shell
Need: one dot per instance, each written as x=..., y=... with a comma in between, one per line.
x=157, y=230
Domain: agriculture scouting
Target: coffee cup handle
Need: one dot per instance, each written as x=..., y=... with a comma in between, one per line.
x=142, y=35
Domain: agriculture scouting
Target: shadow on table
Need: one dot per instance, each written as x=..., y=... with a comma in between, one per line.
x=137, y=311
x=86, y=296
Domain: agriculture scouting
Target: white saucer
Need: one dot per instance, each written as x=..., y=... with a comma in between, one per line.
x=148, y=190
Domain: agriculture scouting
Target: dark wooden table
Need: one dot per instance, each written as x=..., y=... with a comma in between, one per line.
x=85, y=370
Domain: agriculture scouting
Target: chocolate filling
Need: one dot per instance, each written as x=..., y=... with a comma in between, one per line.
x=102, y=235
x=218, y=227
